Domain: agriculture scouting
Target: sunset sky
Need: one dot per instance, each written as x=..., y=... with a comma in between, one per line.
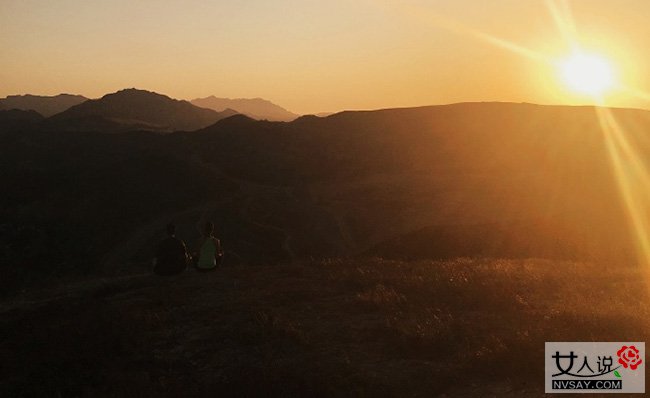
x=315, y=56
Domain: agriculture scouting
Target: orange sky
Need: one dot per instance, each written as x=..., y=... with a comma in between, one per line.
x=314, y=56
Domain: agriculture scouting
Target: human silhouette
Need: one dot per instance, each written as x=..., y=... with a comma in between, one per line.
x=209, y=250
x=171, y=255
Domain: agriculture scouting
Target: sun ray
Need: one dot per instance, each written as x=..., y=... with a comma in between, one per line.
x=563, y=17
x=510, y=46
x=440, y=21
x=629, y=169
x=632, y=178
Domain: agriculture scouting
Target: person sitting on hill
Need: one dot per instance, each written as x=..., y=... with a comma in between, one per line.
x=171, y=255
x=209, y=251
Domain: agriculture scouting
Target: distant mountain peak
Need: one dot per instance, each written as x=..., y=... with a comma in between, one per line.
x=256, y=108
x=134, y=90
x=139, y=93
x=135, y=107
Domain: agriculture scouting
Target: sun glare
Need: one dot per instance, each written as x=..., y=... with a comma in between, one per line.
x=587, y=74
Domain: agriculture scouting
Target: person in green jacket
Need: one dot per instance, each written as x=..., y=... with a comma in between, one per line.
x=210, y=252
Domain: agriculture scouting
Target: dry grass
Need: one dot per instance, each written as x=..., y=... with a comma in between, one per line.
x=329, y=328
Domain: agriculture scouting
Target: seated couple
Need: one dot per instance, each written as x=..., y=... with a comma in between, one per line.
x=172, y=256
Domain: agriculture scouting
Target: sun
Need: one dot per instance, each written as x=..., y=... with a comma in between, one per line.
x=587, y=74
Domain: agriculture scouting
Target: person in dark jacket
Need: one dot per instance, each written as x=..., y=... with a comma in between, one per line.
x=171, y=255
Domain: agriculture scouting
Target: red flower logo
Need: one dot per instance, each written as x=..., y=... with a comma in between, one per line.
x=629, y=356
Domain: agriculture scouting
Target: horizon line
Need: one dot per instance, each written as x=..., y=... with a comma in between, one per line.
x=329, y=113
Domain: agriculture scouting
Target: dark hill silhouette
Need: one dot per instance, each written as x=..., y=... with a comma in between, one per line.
x=467, y=136
x=97, y=123
x=494, y=179
x=472, y=165
x=16, y=119
x=46, y=106
x=466, y=180
x=256, y=108
x=133, y=109
x=237, y=122
x=20, y=115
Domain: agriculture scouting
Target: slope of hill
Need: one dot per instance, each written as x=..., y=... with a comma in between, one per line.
x=457, y=168
x=256, y=108
x=135, y=109
x=19, y=115
x=492, y=179
x=46, y=106
x=428, y=185
x=16, y=119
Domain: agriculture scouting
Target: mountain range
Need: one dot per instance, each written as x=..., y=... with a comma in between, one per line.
x=46, y=106
x=462, y=218
x=473, y=179
x=133, y=109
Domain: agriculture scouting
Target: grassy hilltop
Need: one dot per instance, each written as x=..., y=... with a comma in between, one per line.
x=340, y=327
x=479, y=180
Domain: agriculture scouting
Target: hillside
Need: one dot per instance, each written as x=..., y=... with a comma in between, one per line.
x=402, y=252
x=540, y=175
x=133, y=109
x=369, y=328
x=257, y=108
x=492, y=179
x=46, y=106
x=16, y=118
